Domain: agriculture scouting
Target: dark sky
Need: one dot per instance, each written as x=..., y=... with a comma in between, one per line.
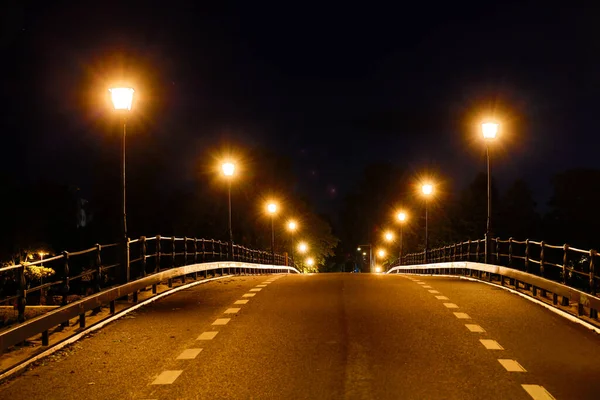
x=336, y=85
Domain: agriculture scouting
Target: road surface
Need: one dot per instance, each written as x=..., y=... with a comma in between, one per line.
x=327, y=336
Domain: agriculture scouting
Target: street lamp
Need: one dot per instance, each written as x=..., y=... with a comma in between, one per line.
x=272, y=209
x=427, y=190
x=402, y=219
x=310, y=261
x=292, y=228
x=381, y=253
x=389, y=236
x=489, y=131
x=228, y=170
x=122, y=98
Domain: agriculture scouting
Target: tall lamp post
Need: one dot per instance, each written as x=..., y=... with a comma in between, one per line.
x=228, y=170
x=122, y=98
x=489, y=131
x=427, y=190
x=402, y=219
x=272, y=209
x=389, y=236
x=292, y=228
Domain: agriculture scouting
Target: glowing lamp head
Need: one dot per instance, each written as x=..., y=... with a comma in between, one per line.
x=378, y=269
x=389, y=236
x=302, y=247
x=489, y=130
x=427, y=189
x=364, y=253
x=228, y=168
x=310, y=262
x=381, y=253
x=292, y=226
x=272, y=208
x=358, y=249
x=401, y=216
x=121, y=98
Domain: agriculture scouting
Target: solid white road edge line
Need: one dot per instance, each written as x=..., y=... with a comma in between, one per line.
x=102, y=324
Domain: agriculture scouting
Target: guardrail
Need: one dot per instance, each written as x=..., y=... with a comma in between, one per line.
x=43, y=323
x=82, y=273
x=568, y=265
x=566, y=296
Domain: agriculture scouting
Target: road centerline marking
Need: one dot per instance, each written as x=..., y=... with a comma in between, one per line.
x=261, y=286
x=426, y=287
x=433, y=291
x=450, y=305
x=475, y=328
x=491, y=344
x=511, y=365
x=189, y=354
x=442, y=298
x=249, y=295
x=241, y=302
x=210, y=335
x=256, y=290
x=232, y=310
x=462, y=315
x=221, y=321
x=538, y=392
x=167, y=377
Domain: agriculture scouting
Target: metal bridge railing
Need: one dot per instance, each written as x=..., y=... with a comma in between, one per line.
x=82, y=273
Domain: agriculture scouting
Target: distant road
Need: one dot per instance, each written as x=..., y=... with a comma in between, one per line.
x=327, y=336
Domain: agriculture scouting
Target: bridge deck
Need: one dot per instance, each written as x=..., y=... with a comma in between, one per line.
x=352, y=336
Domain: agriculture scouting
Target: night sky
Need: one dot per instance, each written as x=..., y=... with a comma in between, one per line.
x=335, y=86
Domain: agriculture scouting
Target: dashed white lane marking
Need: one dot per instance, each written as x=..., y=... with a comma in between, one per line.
x=511, y=365
x=232, y=310
x=210, y=335
x=462, y=315
x=491, y=344
x=421, y=283
x=426, y=287
x=538, y=392
x=261, y=286
x=189, y=354
x=433, y=291
x=255, y=290
x=475, y=328
x=167, y=377
x=249, y=295
x=221, y=321
x=442, y=298
x=241, y=302
x=450, y=305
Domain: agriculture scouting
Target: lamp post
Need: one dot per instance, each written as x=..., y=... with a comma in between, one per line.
x=402, y=219
x=272, y=209
x=292, y=228
x=122, y=98
x=427, y=190
x=228, y=170
x=489, y=131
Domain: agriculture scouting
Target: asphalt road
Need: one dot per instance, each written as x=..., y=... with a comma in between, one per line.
x=328, y=336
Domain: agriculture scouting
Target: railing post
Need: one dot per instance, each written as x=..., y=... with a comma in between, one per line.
x=477, y=250
x=185, y=252
x=143, y=251
x=454, y=252
x=22, y=299
x=497, y=251
x=99, y=277
x=526, y=255
x=565, y=261
x=542, y=247
x=195, y=250
x=593, y=254
x=157, y=261
x=173, y=252
x=469, y=243
x=510, y=252
x=203, y=251
x=65, y=287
